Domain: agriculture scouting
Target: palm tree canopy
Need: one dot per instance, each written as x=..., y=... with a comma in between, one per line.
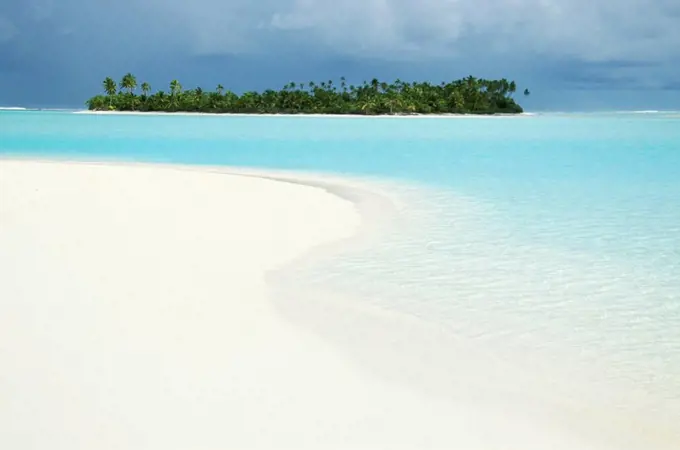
x=469, y=95
x=110, y=86
x=175, y=87
x=128, y=82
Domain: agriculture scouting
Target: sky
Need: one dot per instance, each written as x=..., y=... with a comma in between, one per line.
x=571, y=54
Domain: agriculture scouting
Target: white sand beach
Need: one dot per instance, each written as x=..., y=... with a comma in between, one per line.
x=135, y=314
x=336, y=116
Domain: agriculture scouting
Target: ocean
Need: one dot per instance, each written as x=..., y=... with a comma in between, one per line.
x=549, y=243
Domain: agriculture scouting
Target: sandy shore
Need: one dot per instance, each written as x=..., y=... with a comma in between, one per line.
x=135, y=313
x=342, y=116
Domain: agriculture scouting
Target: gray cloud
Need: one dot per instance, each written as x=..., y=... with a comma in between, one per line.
x=632, y=42
x=423, y=29
x=386, y=29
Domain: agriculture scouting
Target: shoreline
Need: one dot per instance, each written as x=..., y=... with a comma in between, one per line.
x=312, y=357
x=349, y=116
x=137, y=297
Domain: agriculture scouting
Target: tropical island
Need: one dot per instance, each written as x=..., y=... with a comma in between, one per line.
x=468, y=95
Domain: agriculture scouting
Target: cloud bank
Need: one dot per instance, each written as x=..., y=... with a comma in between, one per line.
x=631, y=43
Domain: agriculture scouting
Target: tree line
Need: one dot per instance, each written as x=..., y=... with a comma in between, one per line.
x=468, y=95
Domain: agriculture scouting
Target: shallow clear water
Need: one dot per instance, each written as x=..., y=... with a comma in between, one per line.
x=553, y=234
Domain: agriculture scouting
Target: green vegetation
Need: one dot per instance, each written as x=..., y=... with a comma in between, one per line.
x=465, y=96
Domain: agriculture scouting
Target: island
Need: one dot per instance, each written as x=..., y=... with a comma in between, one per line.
x=468, y=95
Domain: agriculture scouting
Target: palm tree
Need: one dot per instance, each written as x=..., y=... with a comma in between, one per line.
x=457, y=102
x=110, y=86
x=111, y=89
x=175, y=87
x=468, y=95
x=395, y=103
x=472, y=91
x=369, y=105
x=128, y=82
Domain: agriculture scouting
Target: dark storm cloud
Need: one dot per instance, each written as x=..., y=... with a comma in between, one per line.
x=267, y=42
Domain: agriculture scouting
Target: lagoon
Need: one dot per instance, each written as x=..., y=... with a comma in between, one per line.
x=549, y=243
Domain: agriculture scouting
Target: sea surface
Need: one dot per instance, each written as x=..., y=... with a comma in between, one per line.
x=553, y=237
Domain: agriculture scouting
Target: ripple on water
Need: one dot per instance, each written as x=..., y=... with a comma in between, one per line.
x=595, y=324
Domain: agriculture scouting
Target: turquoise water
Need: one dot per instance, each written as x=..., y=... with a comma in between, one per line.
x=554, y=233
x=613, y=179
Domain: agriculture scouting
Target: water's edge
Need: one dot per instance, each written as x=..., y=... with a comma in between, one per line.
x=422, y=353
